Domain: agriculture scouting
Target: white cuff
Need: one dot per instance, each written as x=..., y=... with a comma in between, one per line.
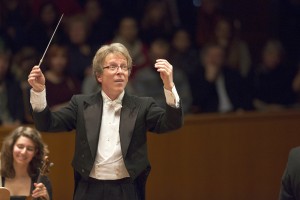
x=38, y=100
x=172, y=97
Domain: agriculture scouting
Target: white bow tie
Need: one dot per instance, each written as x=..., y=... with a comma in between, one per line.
x=114, y=105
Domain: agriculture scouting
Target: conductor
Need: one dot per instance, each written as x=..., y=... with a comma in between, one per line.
x=110, y=160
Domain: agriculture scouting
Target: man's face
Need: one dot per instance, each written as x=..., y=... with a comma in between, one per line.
x=214, y=56
x=114, y=82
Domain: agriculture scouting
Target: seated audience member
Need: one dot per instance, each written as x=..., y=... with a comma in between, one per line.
x=237, y=55
x=80, y=51
x=23, y=59
x=183, y=55
x=22, y=154
x=272, y=80
x=15, y=17
x=215, y=87
x=128, y=36
x=97, y=18
x=157, y=21
x=290, y=183
x=43, y=26
x=60, y=85
x=11, y=99
x=148, y=83
x=207, y=17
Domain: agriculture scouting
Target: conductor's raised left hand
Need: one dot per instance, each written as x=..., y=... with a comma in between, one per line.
x=166, y=73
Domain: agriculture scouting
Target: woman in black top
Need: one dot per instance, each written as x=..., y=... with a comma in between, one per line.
x=21, y=158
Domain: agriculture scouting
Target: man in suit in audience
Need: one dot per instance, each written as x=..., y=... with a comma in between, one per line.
x=290, y=184
x=110, y=160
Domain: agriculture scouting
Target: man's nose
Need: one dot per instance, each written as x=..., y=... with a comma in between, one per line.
x=120, y=70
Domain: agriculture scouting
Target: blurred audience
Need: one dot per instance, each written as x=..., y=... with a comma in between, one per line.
x=208, y=16
x=215, y=87
x=186, y=29
x=183, y=54
x=148, y=83
x=15, y=16
x=237, y=55
x=272, y=80
x=128, y=36
x=157, y=21
x=43, y=26
x=102, y=27
x=11, y=104
x=80, y=51
x=21, y=67
x=68, y=7
x=60, y=85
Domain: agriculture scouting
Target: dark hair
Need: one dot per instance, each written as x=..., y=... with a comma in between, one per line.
x=54, y=50
x=41, y=150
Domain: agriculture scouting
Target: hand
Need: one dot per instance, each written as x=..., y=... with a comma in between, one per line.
x=211, y=73
x=166, y=73
x=36, y=79
x=40, y=191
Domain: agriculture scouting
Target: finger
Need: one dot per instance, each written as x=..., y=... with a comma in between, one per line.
x=165, y=69
x=39, y=185
x=169, y=68
x=162, y=61
x=164, y=72
x=163, y=64
x=39, y=191
x=36, y=67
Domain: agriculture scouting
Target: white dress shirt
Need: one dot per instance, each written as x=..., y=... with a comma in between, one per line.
x=109, y=163
x=225, y=104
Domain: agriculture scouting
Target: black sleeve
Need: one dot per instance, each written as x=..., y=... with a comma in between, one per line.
x=290, y=184
x=45, y=180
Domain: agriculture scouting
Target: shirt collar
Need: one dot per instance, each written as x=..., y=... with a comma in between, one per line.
x=117, y=100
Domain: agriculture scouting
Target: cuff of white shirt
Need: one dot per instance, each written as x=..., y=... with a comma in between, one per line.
x=172, y=97
x=38, y=100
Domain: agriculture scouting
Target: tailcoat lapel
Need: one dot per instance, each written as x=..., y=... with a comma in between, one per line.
x=92, y=119
x=127, y=121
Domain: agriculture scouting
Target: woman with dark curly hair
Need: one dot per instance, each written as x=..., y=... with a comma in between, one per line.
x=22, y=154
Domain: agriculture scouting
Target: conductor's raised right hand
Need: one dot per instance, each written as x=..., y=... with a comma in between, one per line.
x=36, y=79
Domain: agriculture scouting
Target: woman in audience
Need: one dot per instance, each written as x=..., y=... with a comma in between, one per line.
x=97, y=18
x=22, y=154
x=60, y=85
x=128, y=36
x=43, y=26
x=207, y=17
x=272, y=80
x=80, y=51
x=157, y=21
x=183, y=55
x=237, y=54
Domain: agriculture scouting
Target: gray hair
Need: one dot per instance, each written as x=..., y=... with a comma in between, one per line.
x=114, y=48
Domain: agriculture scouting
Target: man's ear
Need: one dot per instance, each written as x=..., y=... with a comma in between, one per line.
x=98, y=77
